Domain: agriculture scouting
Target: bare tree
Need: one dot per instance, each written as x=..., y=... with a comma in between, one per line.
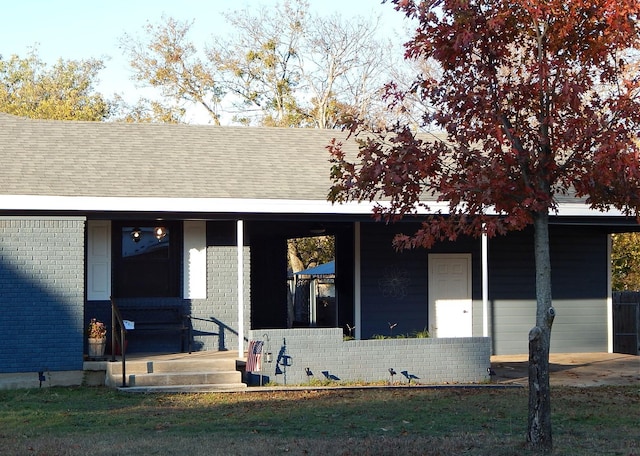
x=344, y=68
x=282, y=66
x=167, y=60
x=259, y=64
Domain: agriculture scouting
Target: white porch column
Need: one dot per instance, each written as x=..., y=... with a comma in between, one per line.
x=357, y=310
x=485, y=285
x=240, y=246
x=609, y=298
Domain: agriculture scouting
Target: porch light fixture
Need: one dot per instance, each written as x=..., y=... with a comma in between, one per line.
x=160, y=232
x=136, y=234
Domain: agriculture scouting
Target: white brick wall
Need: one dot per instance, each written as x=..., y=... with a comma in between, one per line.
x=323, y=351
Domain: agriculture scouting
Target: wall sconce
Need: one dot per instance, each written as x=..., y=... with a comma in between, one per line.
x=160, y=232
x=136, y=234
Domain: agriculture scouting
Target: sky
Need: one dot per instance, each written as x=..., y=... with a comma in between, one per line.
x=81, y=29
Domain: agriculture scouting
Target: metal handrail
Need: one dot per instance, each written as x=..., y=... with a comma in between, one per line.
x=118, y=332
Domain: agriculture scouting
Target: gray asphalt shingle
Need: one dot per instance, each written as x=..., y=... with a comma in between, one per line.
x=105, y=159
x=63, y=158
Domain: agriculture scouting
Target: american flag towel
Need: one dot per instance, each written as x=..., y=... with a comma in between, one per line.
x=254, y=355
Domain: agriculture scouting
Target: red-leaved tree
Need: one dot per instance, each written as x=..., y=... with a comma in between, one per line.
x=537, y=99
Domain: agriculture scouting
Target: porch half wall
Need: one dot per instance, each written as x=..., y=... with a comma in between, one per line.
x=327, y=355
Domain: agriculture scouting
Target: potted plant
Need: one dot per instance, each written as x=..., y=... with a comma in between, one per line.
x=97, y=334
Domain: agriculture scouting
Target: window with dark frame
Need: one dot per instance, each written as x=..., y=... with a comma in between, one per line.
x=146, y=259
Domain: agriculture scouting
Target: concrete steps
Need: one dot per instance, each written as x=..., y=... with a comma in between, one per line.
x=196, y=374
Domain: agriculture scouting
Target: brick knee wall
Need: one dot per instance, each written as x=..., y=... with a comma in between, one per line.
x=323, y=351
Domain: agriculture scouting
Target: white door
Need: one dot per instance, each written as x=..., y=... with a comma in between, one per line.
x=450, y=306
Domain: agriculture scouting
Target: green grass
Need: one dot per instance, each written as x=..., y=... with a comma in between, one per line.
x=406, y=421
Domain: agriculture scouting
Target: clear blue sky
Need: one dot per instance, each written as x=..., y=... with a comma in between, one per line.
x=74, y=29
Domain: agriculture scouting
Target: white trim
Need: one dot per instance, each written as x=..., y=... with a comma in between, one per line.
x=197, y=205
x=98, y=260
x=229, y=205
x=240, y=247
x=609, y=297
x=485, y=285
x=357, y=296
x=45, y=218
x=195, y=259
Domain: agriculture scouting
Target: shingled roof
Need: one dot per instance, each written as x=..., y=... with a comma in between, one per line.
x=99, y=159
x=90, y=166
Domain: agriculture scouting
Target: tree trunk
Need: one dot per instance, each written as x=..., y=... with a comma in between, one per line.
x=539, y=430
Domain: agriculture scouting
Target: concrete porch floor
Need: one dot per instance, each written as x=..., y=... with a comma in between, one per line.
x=178, y=356
x=92, y=365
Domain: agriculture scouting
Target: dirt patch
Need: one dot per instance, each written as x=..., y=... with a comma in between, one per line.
x=572, y=369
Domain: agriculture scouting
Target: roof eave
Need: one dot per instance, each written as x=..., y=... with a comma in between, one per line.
x=226, y=205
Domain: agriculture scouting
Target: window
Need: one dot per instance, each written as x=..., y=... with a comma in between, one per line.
x=146, y=259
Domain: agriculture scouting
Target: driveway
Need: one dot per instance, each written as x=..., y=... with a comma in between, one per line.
x=572, y=369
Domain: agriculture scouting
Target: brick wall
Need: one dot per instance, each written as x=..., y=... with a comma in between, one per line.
x=41, y=294
x=215, y=320
x=323, y=351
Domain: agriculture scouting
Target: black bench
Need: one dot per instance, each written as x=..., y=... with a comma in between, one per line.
x=157, y=319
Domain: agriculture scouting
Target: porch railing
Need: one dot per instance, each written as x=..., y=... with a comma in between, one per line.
x=118, y=337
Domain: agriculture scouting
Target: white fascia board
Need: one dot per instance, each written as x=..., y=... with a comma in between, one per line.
x=581, y=209
x=195, y=205
x=576, y=210
x=228, y=205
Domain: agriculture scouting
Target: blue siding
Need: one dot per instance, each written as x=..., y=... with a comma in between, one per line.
x=394, y=286
x=579, y=265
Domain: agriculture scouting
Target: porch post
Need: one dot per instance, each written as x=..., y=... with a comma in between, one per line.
x=240, y=246
x=485, y=285
x=357, y=312
x=609, y=299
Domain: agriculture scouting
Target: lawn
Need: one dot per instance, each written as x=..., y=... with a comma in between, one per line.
x=405, y=421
